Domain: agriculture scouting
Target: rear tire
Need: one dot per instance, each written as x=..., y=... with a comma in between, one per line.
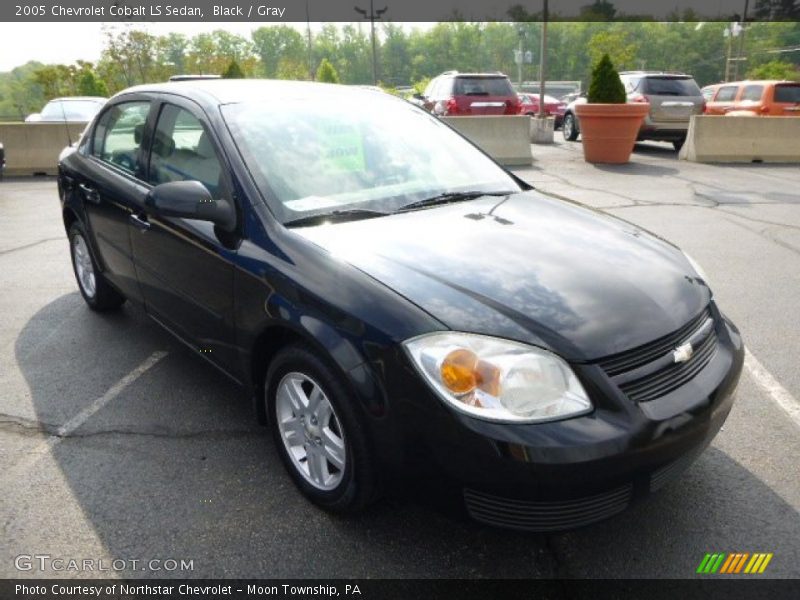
x=318, y=433
x=94, y=288
x=678, y=144
x=569, y=128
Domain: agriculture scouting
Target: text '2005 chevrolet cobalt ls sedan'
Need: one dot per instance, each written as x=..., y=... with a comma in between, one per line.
x=401, y=307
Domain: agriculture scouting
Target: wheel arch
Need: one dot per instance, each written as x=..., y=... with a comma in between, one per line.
x=334, y=349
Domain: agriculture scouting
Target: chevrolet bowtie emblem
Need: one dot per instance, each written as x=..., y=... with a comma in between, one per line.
x=683, y=353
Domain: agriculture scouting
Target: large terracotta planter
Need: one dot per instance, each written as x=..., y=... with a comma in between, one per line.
x=609, y=131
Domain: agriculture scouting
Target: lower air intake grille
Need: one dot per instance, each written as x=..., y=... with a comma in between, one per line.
x=546, y=516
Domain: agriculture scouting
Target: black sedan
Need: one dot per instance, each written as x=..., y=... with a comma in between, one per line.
x=402, y=309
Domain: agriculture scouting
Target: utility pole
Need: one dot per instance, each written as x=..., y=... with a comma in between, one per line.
x=740, y=51
x=373, y=16
x=543, y=61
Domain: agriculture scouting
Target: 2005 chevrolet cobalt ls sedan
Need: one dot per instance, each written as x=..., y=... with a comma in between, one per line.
x=400, y=306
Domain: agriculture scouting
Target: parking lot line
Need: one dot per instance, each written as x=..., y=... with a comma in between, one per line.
x=779, y=394
x=79, y=419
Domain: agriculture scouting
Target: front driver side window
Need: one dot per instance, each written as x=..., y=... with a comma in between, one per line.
x=118, y=135
x=182, y=151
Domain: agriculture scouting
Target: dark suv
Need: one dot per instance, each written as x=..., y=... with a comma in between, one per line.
x=456, y=94
x=673, y=99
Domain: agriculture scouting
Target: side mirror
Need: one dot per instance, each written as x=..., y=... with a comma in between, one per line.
x=190, y=200
x=418, y=96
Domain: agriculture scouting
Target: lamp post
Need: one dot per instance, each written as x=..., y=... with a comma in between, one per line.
x=543, y=61
x=373, y=15
x=308, y=40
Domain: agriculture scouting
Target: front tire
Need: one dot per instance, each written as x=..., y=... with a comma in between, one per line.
x=96, y=291
x=569, y=128
x=318, y=432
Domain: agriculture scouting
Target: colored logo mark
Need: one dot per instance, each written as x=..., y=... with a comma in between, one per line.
x=734, y=563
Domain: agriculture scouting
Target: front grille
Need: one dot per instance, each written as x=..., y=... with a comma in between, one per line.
x=648, y=372
x=546, y=515
x=632, y=359
x=672, y=377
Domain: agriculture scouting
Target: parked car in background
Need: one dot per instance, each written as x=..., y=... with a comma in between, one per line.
x=77, y=109
x=773, y=98
x=709, y=91
x=673, y=99
x=402, y=313
x=458, y=94
x=552, y=106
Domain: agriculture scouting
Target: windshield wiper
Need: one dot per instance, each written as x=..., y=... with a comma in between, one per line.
x=352, y=214
x=447, y=198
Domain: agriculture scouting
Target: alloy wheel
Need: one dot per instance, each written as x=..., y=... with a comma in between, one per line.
x=311, y=431
x=83, y=266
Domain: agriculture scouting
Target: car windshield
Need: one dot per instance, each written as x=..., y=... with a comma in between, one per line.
x=787, y=92
x=482, y=86
x=362, y=151
x=71, y=110
x=669, y=86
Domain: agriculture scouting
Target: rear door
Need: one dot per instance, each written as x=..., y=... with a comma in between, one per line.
x=785, y=100
x=112, y=186
x=751, y=98
x=484, y=95
x=185, y=266
x=672, y=99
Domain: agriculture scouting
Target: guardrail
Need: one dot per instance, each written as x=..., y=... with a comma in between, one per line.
x=33, y=148
x=725, y=139
x=507, y=139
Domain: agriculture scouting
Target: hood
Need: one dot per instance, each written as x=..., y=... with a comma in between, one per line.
x=527, y=267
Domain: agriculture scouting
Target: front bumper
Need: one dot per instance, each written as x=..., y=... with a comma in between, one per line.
x=569, y=473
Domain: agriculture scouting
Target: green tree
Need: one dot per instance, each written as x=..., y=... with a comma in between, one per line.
x=775, y=69
x=605, y=86
x=614, y=43
x=326, y=73
x=274, y=45
x=233, y=71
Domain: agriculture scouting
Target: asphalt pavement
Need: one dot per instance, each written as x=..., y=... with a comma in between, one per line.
x=116, y=443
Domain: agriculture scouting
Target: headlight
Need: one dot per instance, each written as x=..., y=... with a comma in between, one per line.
x=698, y=269
x=498, y=380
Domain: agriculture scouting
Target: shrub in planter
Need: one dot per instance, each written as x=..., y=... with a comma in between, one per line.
x=609, y=125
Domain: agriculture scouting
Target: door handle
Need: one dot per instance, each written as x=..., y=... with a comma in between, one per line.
x=139, y=222
x=89, y=193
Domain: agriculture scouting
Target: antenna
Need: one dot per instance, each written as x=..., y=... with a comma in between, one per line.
x=66, y=125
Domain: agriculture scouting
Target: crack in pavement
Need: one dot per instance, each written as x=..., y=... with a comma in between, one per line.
x=31, y=245
x=19, y=425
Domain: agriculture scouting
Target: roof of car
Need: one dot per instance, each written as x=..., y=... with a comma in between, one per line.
x=231, y=91
x=69, y=98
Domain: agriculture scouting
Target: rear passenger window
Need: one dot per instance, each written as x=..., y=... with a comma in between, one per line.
x=753, y=92
x=726, y=94
x=787, y=92
x=182, y=151
x=118, y=135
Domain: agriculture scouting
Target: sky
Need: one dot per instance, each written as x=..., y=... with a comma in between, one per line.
x=84, y=41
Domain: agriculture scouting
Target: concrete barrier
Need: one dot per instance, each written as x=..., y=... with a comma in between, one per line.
x=507, y=139
x=725, y=139
x=33, y=148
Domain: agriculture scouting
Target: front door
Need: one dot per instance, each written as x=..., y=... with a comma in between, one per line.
x=184, y=266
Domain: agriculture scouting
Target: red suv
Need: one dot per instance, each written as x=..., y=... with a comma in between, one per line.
x=456, y=94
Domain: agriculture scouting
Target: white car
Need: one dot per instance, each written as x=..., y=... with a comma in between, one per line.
x=78, y=109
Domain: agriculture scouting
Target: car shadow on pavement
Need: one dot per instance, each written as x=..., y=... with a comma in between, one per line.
x=174, y=466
